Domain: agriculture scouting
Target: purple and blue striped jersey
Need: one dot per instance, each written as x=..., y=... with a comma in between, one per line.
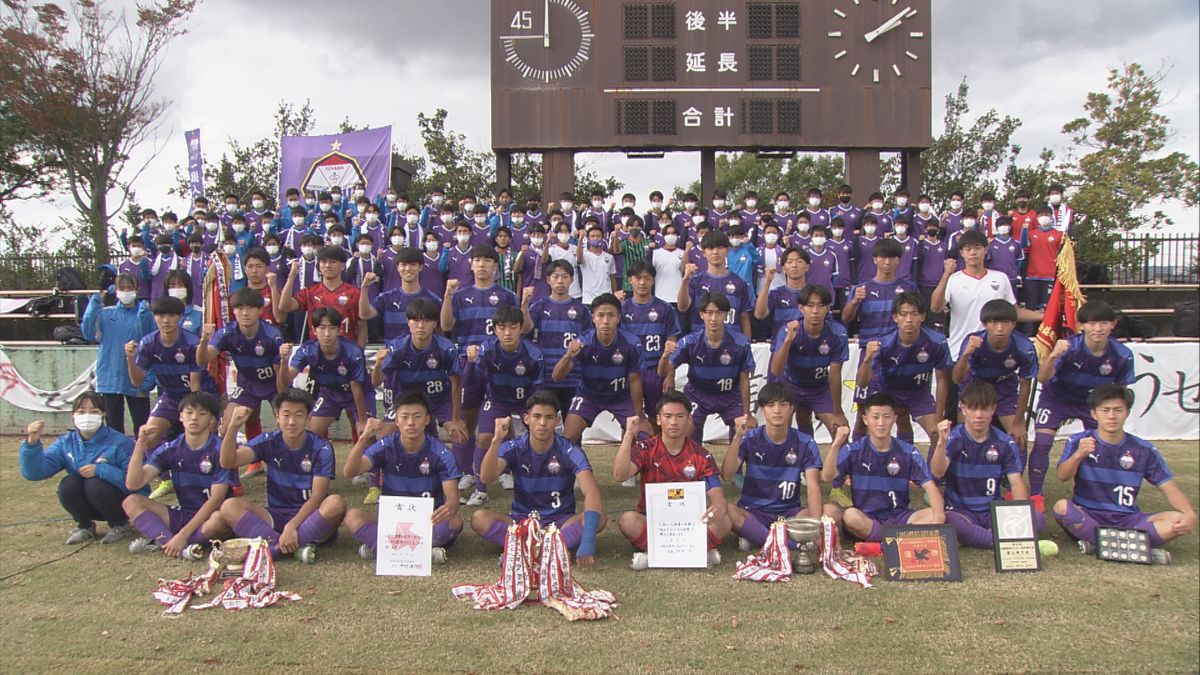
x=879, y=480
x=172, y=366
x=413, y=474
x=652, y=323
x=973, y=479
x=810, y=357
x=1109, y=479
x=192, y=471
x=511, y=377
x=1002, y=369
x=1079, y=371
x=900, y=367
x=290, y=472
x=605, y=370
x=714, y=370
x=875, y=311
x=392, y=305
x=256, y=358
x=427, y=370
x=555, y=324
x=332, y=375
x=773, y=471
x=734, y=288
x=543, y=481
x=473, y=308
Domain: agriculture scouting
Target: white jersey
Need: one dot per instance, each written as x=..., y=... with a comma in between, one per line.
x=668, y=273
x=966, y=296
x=557, y=252
x=597, y=270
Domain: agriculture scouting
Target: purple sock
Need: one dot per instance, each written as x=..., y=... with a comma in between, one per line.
x=1156, y=539
x=1039, y=521
x=444, y=535
x=252, y=527
x=496, y=533
x=462, y=453
x=198, y=537
x=572, y=535
x=753, y=531
x=876, y=533
x=1039, y=462
x=367, y=534
x=969, y=533
x=1077, y=523
x=315, y=529
x=476, y=463
x=152, y=527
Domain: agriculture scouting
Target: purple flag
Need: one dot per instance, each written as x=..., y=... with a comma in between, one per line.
x=320, y=162
x=195, y=163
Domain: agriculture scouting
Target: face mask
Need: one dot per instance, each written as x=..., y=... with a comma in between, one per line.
x=364, y=249
x=988, y=206
x=126, y=297
x=802, y=228
x=400, y=206
x=563, y=237
x=307, y=251
x=596, y=203
x=837, y=232
x=818, y=242
x=437, y=199
x=164, y=249
x=689, y=205
x=337, y=197
x=468, y=207
x=231, y=208
x=391, y=199
x=924, y=207
x=566, y=206
x=258, y=204
x=814, y=202
x=310, y=202
x=480, y=220
x=782, y=206
x=358, y=193
x=845, y=199
x=180, y=293
x=670, y=239
x=877, y=206
x=1003, y=230
x=955, y=204
x=656, y=205
x=869, y=230
x=430, y=246
x=627, y=205
x=901, y=230
x=735, y=242
x=397, y=240
x=293, y=203
x=462, y=238
x=1044, y=221
x=536, y=242
x=239, y=228
x=411, y=218
x=718, y=203
x=518, y=220
x=595, y=243
x=698, y=219
x=968, y=223
x=336, y=241
x=447, y=218
x=751, y=203
x=1056, y=199
x=372, y=218
x=229, y=249
x=902, y=201
x=326, y=207
x=211, y=227
x=770, y=238
x=171, y=227
x=87, y=422
x=298, y=221
x=272, y=250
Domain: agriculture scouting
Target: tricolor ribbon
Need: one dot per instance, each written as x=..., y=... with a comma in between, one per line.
x=254, y=588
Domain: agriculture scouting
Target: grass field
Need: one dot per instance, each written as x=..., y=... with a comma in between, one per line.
x=93, y=611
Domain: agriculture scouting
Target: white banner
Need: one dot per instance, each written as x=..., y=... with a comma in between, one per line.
x=16, y=390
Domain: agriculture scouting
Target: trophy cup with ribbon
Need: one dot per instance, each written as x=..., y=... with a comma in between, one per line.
x=805, y=532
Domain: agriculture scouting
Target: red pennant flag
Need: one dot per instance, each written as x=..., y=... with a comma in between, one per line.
x=1065, y=300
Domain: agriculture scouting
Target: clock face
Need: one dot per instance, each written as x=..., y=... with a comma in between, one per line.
x=548, y=41
x=891, y=42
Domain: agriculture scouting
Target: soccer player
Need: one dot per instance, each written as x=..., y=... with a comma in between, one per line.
x=253, y=345
x=260, y=278
x=880, y=467
x=201, y=484
x=414, y=464
x=1004, y=254
x=170, y=355
x=425, y=363
x=1004, y=359
x=300, y=512
x=548, y=468
x=554, y=321
x=393, y=303
x=338, y=368
x=781, y=303
x=808, y=356
x=669, y=457
x=654, y=322
x=902, y=364
x=1108, y=466
x=332, y=292
x=719, y=365
x=718, y=278
x=779, y=462
x=1075, y=367
x=871, y=302
x=973, y=459
x=611, y=365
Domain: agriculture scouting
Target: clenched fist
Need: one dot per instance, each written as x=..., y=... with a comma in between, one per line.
x=369, y=278
x=34, y=433
x=451, y=286
x=130, y=349
x=574, y=348
x=974, y=342
x=472, y=353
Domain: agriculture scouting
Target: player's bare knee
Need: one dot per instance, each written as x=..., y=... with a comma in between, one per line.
x=481, y=520
x=333, y=506
x=1060, y=507
x=833, y=511
x=134, y=505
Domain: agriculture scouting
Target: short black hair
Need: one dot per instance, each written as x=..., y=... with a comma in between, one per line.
x=412, y=397
x=1110, y=392
x=673, y=396
x=258, y=253
x=408, y=255
x=167, y=304
x=1095, y=310
x=422, y=309
x=714, y=239
x=818, y=290
x=247, y=297
x=998, y=310
x=507, y=314
x=640, y=267
x=972, y=238
x=563, y=265
x=542, y=397
x=912, y=299
x=202, y=400
x=332, y=253
x=878, y=399
x=887, y=248
x=796, y=249
x=294, y=395
x=606, y=299
x=334, y=316
x=483, y=251
x=978, y=395
x=714, y=298
x=775, y=392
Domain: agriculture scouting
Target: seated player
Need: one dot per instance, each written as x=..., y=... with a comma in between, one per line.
x=547, y=468
x=509, y=370
x=879, y=467
x=300, y=512
x=669, y=457
x=253, y=345
x=338, y=368
x=414, y=464
x=1075, y=367
x=653, y=322
x=610, y=371
x=808, y=357
x=719, y=365
x=170, y=355
x=1004, y=359
x=902, y=363
x=553, y=321
x=201, y=484
x=973, y=459
x=779, y=462
x=1108, y=466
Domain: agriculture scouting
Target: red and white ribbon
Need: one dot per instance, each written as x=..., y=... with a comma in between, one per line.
x=254, y=588
x=839, y=564
x=772, y=563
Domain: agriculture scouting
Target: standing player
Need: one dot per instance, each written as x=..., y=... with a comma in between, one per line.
x=548, y=468
x=880, y=467
x=781, y=303
x=392, y=303
x=654, y=322
x=1108, y=467
x=339, y=369
x=332, y=292
x=669, y=457
x=1075, y=367
x=808, y=356
x=718, y=278
x=414, y=463
x=554, y=321
x=719, y=366
x=192, y=459
x=780, y=462
x=973, y=459
x=300, y=512
x=425, y=363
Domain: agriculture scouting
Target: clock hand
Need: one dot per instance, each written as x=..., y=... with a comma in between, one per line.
x=546, y=24
x=889, y=24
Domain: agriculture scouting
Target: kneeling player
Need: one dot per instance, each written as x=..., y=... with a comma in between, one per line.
x=880, y=467
x=300, y=512
x=1108, y=466
x=779, y=462
x=669, y=457
x=414, y=464
x=193, y=459
x=974, y=458
x=546, y=468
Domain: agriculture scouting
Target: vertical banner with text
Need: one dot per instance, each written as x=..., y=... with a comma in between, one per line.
x=195, y=164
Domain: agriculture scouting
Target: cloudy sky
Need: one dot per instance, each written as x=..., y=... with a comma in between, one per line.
x=378, y=63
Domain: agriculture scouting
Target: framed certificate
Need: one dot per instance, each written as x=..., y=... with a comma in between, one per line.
x=676, y=533
x=921, y=553
x=1014, y=537
x=404, y=544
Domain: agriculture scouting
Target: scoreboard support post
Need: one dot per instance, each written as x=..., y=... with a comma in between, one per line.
x=910, y=170
x=708, y=175
x=504, y=173
x=863, y=171
x=558, y=174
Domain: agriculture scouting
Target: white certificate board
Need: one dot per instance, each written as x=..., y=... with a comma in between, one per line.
x=404, y=543
x=676, y=533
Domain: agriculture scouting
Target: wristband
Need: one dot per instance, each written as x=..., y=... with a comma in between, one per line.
x=587, y=543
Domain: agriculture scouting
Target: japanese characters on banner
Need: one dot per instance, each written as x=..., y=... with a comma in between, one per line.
x=676, y=533
x=195, y=164
x=404, y=544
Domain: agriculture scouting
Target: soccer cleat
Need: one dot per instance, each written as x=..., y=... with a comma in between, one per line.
x=81, y=535
x=117, y=533
x=252, y=470
x=1039, y=503
x=165, y=487
x=143, y=545
x=307, y=554
x=1087, y=547
x=506, y=481
x=366, y=552
x=840, y=497
x=373, y=494
x=714, y=557
x=744, y=544
x=466, y=483
x=632, y=481
x=1160, y=556
x=439, y=555
x=477, y=498
x=360, y=479
x=640, y=561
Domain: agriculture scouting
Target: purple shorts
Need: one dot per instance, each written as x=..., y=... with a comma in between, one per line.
x=281, y=517
x=1053, y=413
x=767, y=518
x=333, y=404
x=441, y=409
x=652, y=390
x=166, y=408
x=1130, y=521
x=892, y=516
x=728, y=407
x=918, y=402
x=817, y=400
x=252, y=394
x=472, y=386
x=589, y=410
x=1006, y=400
x=491, y=411
x=177, y=518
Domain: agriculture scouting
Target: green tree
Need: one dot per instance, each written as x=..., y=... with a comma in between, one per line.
x=1115, y=171
x=739, y=172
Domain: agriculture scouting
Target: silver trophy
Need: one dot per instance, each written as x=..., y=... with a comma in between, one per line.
x=805, y=532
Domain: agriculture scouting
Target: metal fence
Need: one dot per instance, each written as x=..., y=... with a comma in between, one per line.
x=1158, y=259
x=40, y=271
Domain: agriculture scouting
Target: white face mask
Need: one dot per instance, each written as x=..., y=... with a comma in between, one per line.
x=437, y=199
x=735, y=242
x=901, y=201
x=537, y=242
x=955, y=204
x=229, y=249
x=239, y=228
x=837, y=232
x=326, y=207
x=563, y=237
x=307, y=251
x=1056, y=199
x=869, y=230
x=272, y=250
x=596, y=203
x=901, y=230
x=430, y=246
x=968, y=223
x=770, y=238
x=336, y=241
x=180, y=293
x=231, y=208
x=624, y=220
x=480, y=220
x=627, y=205
x=447, y=218
x=468, y=207
x=310, y=202
x=136, y=251
x=656, y=205
x=988, y=206
x=566, y=206
x=518, y=220
x=88, y=422
x=781, y=206
x=400, y=206
x=818, y=242
x=698, y=219
x=924, y=207
x=357, y=194
x=298, y=221
x=210, y=227
x=802, y=228
x=877, y=206
x=258, y=204
x=1043, y=220
x=412, y=219
x=170, y=227
x=1003, y=230
x=397, y=240
x=337, y=197
x=670, y=239
x=293, y=203
x=689, y=205
x=718, y=203
x=814, y=202
x=372, y=218
x=364, y=249
x=462, y=238
x=751, y=203
x=126, y=297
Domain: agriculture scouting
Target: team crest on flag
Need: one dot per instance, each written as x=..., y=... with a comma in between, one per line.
x=1126, y=461
x=258, y=349
x=334, y=169
x=206, y=465
x=319, y=163
x=306, y=465
x=893, y=467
